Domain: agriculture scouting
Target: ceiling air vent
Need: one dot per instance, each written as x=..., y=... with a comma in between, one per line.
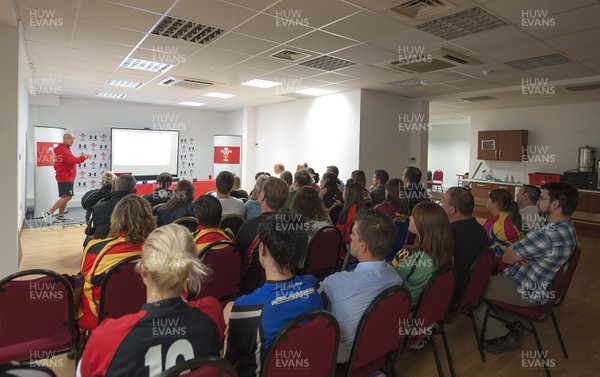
x=583, y=88
x=327, y=63
x=289, y=55
x=436, y=60
x=539, y=61
x=416, y=9
x=182, y=82
x=177, y=28
x=412, y=83
x=467, y=22
x=480, y=98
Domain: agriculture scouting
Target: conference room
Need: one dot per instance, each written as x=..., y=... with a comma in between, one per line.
x=360, y=84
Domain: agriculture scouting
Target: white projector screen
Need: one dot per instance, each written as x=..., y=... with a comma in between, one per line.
x=144, y=153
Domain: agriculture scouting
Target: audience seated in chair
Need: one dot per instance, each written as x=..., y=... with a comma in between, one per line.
x=92, y=197
x=350, y=293
x=301, y=178
x=334, y=169
x=414, y=189
x=256, y=318
x=395, y=204
x=504, y=227
x=139, y=343
x=470, y=238
x=330, y=193
x=99, y=224
x=231, y=206
x=527, y=199
x=532, y=263
x=162, y=193
x=131, y=223
x=359, y=177
x=208, y=213
x=252, y=206
x=380, y=178
x=353, y=202
x=180, y=205
x=433, y=248
x=271, y=199
x=236, y=191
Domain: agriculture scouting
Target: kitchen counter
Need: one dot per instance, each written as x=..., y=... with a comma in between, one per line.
x=469, y=180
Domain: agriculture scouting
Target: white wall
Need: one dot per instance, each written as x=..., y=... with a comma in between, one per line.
x=558, y=130
x=449, y=150
x=97, y=115
x=320, y=131
x=384, y=142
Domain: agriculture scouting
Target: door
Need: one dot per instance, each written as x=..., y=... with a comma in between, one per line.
x=487, y=145
x=512, y=145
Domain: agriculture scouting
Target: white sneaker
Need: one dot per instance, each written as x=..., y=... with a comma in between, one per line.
x=62, y=219
x=48, y=218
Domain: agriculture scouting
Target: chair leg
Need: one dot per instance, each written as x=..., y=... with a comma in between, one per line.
x=560, y=339
x=438, y=363
x=447, y=349
x=479, y=345
x=483, y=328
x=539, y=346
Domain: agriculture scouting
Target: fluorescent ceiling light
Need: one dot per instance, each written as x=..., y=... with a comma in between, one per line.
x=146, y=65
x=218, y=95
x=111, y=95
x=190, y=103
x=125, y=84
x=314, y=92
x=257, y=83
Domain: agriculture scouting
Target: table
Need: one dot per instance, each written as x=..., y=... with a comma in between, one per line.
x=201, y=186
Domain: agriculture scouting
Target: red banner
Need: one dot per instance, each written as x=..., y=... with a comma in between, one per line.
x=227, y=155
x=45, y=153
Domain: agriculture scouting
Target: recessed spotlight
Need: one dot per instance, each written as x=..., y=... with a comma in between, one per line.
x=190, y=103
x=146, y=65
x=218, y=95
x=314, y=92
x=125, y=84
x=111, y=95
x=257, y=83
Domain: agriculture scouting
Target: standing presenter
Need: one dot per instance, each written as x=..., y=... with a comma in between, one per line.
x=65, y=167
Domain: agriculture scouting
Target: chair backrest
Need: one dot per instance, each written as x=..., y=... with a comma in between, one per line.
x=26, y=370
x=225, y=260
x=189, y=222
x=379, y=331
x=476, y=281
x=36, y=316
x=323, y=251
x=435, y=300
x=294, y=351
x=438, y=175
x=157, y=207
x=122, y=290
x=562, y=281
x=334, y=212
x=203, y=366
x=233, y=222
x=429, y=175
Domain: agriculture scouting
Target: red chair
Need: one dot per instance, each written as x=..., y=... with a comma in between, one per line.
x=203, y=366
x=36, y=316
x=122, y=290
x=190, y=222
x=225, y=260
x=472, y=295
x=233, y=222
x=438, y=179
x=556, y=296
x=431, y=311
x=323, y=252
x=377, y=342
x=294, y=351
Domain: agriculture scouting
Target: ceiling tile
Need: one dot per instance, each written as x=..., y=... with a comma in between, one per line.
x=242, y=43
x=50, y=8
x=212, y=12
x=158, y=6
x=321, y=42
x=266, y=27
x=118, y=15
x=314, y=13
x=107, y=33
x=364, y=26
x=405, y=37
x=365, y=53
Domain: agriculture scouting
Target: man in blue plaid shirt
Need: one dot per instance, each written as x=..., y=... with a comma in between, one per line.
x=533, y=263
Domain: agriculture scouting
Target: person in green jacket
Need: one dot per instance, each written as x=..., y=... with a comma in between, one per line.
x=433, y=248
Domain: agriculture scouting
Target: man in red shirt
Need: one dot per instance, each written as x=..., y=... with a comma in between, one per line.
x=65, y=167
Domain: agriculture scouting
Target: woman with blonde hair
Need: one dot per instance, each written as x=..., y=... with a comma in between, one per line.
x=167, y=328
x=180, y=205
x=433, y=248
x=130, y=224
x=92, y=197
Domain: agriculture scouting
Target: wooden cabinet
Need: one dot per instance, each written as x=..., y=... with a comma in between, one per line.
x=589, y=202
x=501, y=145
x=481, y=190
x=509, y=188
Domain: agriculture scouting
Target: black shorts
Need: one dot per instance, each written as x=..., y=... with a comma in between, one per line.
x=65, y=189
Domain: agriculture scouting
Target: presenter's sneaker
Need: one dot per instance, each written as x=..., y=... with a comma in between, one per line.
x=62, y=219
x=48, y=218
